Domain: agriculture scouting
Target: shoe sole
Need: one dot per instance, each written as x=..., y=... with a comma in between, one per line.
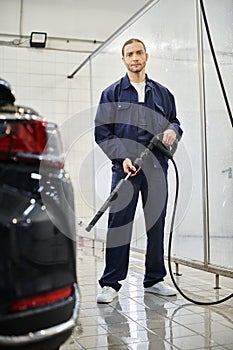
x=106, y=301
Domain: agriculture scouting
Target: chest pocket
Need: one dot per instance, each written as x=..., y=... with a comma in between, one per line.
x=124, y=114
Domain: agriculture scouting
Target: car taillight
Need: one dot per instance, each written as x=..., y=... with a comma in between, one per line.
x=42, y=299
x=31, y=141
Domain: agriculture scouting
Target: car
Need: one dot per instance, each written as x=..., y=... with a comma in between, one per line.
x=39, y=292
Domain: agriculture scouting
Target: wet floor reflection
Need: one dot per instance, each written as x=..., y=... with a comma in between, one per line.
x=143, y=321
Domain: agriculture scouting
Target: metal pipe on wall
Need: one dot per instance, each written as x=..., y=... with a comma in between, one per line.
x=205, y=197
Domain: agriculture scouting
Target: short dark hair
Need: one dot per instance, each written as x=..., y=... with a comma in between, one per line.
x=131, y=41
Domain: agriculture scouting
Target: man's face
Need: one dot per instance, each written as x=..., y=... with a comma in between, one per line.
x=135, y=57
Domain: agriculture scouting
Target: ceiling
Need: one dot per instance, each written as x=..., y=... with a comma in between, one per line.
x=70, y=24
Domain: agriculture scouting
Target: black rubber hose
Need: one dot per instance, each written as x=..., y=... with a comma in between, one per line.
x=170, y=246
x=216, y=62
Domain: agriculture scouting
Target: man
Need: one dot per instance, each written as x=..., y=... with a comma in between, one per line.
x=130, y=112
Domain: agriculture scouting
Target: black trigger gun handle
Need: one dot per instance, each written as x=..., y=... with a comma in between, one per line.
x=163, y=149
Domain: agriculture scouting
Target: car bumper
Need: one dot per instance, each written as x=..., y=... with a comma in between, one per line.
x=42, y=335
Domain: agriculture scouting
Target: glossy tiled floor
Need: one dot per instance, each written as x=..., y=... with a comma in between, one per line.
x=143, y=321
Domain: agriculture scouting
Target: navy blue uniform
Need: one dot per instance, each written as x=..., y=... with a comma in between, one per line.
x=123, y=128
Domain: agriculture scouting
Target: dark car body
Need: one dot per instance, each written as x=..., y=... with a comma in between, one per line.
x=39, y=296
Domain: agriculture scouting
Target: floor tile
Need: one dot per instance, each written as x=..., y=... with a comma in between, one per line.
x=136, y=320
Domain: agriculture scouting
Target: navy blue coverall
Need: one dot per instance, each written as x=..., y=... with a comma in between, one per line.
x=123, y=128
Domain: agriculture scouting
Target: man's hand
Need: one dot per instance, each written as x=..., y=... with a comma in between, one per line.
x=128, y=167
x=169, y=137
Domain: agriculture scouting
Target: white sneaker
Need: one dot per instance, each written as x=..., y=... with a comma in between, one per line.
x=161, y=288
x=106, y=295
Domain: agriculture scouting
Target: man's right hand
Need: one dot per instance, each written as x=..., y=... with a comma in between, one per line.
x=129, y=167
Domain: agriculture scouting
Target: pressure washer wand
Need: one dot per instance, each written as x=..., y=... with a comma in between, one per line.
x=107, y=203
x=154, y=142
